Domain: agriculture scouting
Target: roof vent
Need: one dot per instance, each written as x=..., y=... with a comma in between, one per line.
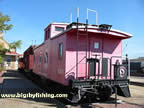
x=105, y=27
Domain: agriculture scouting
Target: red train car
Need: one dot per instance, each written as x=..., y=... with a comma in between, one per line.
x=28, y=59
x=85, y=58
x=20, y=64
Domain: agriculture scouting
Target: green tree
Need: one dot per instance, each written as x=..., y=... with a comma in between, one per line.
x=4, y=27
x=2, y=52
x=3, y=20
x=15, y=44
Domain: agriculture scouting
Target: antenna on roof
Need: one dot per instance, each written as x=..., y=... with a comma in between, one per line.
x=124, y=48
x=32, y=42
x=76, y=9
x=35, y=42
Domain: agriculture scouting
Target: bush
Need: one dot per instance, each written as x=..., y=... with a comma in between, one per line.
x=0, y=59
x=1, y=69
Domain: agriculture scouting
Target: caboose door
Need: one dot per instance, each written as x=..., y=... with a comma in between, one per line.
x=95, y=46
x=81, y=57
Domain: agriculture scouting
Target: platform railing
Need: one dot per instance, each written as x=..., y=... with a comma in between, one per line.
x=94, y=12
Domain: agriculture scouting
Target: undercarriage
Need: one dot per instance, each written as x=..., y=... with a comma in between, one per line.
x=102, y=89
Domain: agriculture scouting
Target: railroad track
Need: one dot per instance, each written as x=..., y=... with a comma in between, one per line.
x=50, y=88
x=64, y=103
x=46, y=88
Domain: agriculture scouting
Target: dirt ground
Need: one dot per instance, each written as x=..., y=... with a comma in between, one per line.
x=15, y=80
x=137, y=79
x=137, y=96
x=135, y=101
x=21, y=103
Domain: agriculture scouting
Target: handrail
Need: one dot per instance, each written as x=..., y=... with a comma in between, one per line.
x=76, y=9
x=92, y=11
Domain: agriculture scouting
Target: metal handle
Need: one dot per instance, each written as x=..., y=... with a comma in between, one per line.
x=92, y=11
x=76, y=9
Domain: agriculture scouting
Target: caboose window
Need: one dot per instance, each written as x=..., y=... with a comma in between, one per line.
x=60, y=50
x=46, y=57
x=47, y=34
x=59, y=29
x=96, y=45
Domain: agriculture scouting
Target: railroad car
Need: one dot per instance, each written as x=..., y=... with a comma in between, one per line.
x=28, y=59
x=84, y=59
x=20, y=64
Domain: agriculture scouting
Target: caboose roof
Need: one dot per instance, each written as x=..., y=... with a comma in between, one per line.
x=96, y=29
x=92, y=29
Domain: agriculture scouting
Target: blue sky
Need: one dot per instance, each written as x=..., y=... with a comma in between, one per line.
x=30, y=17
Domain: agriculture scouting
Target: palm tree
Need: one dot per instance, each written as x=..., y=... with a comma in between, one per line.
x=16, y=44
x=2, y=51
x=5, y=27
x=3, y=20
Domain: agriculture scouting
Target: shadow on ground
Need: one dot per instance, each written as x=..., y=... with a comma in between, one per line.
x=17, y=85
x=138, y=74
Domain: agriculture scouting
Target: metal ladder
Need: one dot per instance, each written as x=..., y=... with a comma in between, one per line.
x=77, y=42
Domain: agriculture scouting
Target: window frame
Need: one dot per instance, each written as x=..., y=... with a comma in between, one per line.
x=98, y=45
x=60, y=50
x=8, y=61
x=47, y=34
x=61, y=29
x=46, y=58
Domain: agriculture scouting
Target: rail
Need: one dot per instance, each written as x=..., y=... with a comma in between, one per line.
x=94, y=12
x=76, y=9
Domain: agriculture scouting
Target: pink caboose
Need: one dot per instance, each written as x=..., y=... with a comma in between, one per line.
x=82, y=56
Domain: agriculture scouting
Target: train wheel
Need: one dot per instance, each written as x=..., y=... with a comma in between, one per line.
x=105, y=92
x=76, y=96
x=73, y=98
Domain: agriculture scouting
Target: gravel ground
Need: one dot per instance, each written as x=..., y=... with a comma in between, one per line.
x=14, y=81
x=21, y=103
x=137, y=79
x=135, y=101
x=137, y=96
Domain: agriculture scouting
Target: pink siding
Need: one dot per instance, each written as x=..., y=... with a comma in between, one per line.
x=56, y=66
x=55, y=69
x=37, y=64
x=111, y=47
x=61, y=70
